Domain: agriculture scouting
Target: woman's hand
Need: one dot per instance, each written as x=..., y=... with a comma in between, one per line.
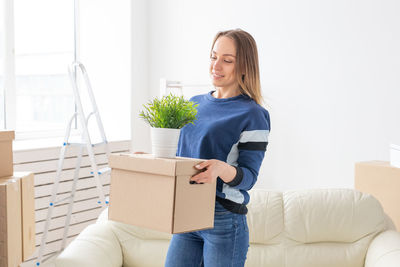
x=213, y=169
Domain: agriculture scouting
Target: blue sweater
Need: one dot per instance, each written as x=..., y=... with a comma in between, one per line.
x=234, y=130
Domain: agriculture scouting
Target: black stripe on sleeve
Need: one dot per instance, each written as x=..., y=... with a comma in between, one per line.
x=238, y=178
x=253, y=146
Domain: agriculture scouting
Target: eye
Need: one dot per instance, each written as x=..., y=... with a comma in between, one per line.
x=213, y=58
x=228, y=61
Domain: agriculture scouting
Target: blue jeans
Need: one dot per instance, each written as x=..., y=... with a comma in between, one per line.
x=225, y=245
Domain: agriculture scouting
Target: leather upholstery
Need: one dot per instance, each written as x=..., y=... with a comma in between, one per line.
x=303, y=228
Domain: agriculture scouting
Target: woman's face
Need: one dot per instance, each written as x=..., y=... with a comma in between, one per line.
x=222, y=65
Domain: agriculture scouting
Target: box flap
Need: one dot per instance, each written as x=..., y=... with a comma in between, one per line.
x=146, y=163
x=7, y=135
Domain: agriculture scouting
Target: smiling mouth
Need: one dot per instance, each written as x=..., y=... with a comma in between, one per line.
x=217, y=76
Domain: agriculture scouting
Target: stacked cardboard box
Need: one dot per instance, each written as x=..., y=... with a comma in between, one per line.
x=156, y=193
x=10, y=223
x=6, y=156
x=381, y=180
x=17, y=211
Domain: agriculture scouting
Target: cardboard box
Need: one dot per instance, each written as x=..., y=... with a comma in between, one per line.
x=6, y=154
x=10, y=223
x=381, y=180
x=17, y=218
x=28, y=213
x=155, y=193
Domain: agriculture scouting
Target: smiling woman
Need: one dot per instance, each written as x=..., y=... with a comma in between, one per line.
x=231, y=132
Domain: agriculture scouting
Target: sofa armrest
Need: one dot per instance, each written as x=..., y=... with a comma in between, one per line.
x=384, y=250
x=95, y=246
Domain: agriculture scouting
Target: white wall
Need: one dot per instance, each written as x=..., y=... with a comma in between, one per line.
x=329, y=72
x=139, y=77
x=105, y=46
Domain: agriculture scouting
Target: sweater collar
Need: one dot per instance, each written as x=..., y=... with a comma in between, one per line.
x=210, y=97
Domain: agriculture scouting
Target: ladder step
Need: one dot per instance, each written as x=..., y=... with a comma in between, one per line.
x=84, y=144
x=74, y=144
x=103, y=170
x=61, y=200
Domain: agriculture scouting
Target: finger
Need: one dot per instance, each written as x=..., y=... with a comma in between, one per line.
x=200, y=181
x=204, y=180
x=201, y=178
x=203, y=165
x=197, y=177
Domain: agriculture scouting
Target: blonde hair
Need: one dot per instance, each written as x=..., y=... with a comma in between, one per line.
x=246, y=68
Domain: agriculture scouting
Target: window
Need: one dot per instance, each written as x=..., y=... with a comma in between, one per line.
x=44, y=46
x=38, y=101
x=2, y=49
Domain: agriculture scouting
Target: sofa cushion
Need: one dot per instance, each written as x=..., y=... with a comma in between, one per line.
x=331, y=215
x=143, y=242
x=96, y=241
x=265, y=216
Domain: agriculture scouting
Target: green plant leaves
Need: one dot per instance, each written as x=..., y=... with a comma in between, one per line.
x=170, y=111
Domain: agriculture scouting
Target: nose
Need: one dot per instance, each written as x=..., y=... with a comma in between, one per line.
x=217, y=64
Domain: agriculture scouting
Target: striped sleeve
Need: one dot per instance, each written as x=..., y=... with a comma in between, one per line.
x=251, y=147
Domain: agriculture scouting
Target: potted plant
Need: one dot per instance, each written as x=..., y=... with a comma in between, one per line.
x=167, y=116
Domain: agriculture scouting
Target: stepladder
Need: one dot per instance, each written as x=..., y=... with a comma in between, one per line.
x=84, y=145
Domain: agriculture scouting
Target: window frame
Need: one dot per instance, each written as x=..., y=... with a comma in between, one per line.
x=10, y=96
x=9, y=65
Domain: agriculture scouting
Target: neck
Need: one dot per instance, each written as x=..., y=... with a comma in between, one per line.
x=225, y=93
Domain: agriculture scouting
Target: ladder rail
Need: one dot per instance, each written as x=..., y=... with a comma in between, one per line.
x=83, y=123
x=60, y=165
x=71, y=199
x=92, y=99
x=85, y=137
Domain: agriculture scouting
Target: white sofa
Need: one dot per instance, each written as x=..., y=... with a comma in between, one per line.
x=321, y=228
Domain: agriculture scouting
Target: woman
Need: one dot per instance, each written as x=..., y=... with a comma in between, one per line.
x=232, y=131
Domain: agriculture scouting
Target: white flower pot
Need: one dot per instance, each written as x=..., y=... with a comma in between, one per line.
x=164, y=142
